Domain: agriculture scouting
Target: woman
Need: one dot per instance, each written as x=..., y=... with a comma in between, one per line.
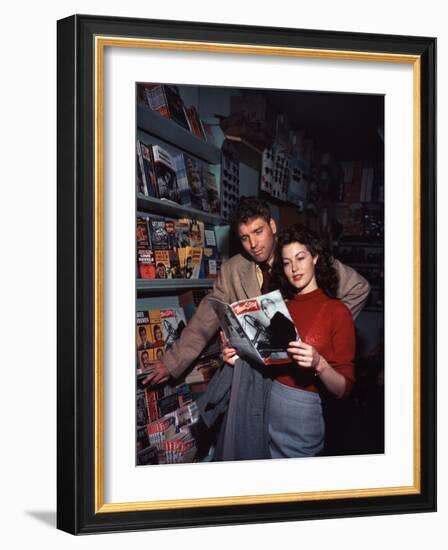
x=322, y=360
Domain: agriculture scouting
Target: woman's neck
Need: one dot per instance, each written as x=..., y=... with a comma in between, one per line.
x=310, y=287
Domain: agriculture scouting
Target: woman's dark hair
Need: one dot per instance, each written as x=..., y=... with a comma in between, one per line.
x=326, y=276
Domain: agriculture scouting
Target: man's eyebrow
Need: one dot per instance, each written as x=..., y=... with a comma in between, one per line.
x=256, y=228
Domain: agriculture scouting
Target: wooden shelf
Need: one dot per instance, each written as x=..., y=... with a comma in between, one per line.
x=161, y=207
x=172, y=285
x=152, y=123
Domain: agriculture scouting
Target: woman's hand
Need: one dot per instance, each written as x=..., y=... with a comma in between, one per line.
x=303, y=354
x=308, y=357
x=228, y=354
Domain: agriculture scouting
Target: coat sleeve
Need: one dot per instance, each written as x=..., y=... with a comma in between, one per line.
x=353, y=289
x=199, y=331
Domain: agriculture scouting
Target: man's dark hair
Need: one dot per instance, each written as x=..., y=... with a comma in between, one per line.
x=141, y=330
x=144, y=353
x=326, y=275
x=249, y=208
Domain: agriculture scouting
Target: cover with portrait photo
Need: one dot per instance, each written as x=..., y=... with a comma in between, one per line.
x=258, y=328
x=144, y=337
x=157, y=338
x=163, y=265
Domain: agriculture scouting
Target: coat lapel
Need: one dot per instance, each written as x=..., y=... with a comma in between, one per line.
x=249, y=279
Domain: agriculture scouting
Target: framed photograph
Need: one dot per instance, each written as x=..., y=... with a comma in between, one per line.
x=163, y=128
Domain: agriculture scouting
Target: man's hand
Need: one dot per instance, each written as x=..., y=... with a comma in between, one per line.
x=158, y=373
x=229, y=355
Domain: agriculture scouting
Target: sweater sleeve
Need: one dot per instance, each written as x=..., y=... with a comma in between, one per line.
x=343, y=342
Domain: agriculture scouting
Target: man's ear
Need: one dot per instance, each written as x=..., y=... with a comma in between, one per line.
x=273, y=226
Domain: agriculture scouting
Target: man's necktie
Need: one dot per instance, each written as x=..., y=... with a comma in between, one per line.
x=266, y=270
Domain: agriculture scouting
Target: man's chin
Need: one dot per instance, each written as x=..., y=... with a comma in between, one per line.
x=262, y=258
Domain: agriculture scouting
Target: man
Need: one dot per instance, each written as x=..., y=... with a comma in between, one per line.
x=242, y=277
x=144, y=342
x=144, y=360
x=158, y=336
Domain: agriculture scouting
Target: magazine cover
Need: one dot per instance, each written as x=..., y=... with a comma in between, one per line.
x=147, y=170
x=166, y=174
x=146, y=264
x=258, y=328
x=159, y=235
x=146, y=267
x=143, y=331
x=140, y=185
x=170, y=229
x=211, y=258
x=166, y=100
x=182, y=179
x=142, y=415
x=142, y=233
x=192, y=259
x=211, y=263
x=196, y=232
x=163, y=266
x=145, y=357
x=193, y=169
x=173, y=322
x=156, y=328
x=175, y=268
x=182, y=231
x=212, y=203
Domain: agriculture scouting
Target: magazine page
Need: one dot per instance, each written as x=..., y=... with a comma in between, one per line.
x=234, y=333
x=267, y=323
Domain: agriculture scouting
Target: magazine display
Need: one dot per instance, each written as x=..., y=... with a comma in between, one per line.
x=258, y=328
x=166, y=415
x=176, y=249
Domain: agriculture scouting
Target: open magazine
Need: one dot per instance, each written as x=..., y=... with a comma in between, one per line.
x=258, y=328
